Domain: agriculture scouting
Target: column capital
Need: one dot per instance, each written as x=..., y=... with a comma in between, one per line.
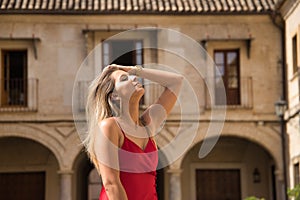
x=279, y=174
x=174, y=171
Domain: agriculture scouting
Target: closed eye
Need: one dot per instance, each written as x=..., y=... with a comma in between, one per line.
x=123, y=77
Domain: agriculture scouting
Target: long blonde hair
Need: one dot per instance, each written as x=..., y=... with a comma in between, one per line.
x=99, y=106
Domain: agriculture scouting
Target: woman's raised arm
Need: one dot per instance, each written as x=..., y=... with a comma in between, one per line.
x=172, y=82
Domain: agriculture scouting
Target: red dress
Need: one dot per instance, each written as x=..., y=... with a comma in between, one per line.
x=137, y=170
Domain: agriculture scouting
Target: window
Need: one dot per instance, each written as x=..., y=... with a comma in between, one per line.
x=227, y=63
x=295, y=53
x=123, y=52
x=296, y=174
x=14, y=78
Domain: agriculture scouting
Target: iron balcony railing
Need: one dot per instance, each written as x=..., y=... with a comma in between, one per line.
x=18, y=95
x=152, y=92
x=242, y=98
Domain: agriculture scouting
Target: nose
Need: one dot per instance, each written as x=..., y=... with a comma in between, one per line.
x=132, y=78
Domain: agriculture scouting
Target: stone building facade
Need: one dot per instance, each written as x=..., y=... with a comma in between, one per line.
x=291, y=14
x=43, y=43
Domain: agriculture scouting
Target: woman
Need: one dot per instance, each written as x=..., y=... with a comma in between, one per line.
x=120, y=142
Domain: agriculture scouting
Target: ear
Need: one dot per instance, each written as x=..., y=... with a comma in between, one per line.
x=114, y=97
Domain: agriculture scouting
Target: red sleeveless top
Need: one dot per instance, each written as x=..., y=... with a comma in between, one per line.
x=137, y=170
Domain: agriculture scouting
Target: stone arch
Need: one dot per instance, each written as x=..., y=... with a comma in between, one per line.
x=264, y=136
x=34, y=162
x=261, y=135
x=232, y=153
x=37, y=135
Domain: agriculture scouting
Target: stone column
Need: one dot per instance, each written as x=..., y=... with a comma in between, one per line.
x=175, y=184
x=65, y=184
x=279, y=185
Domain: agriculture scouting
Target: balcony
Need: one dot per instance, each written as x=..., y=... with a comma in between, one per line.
x=243, y=97
x=18, y=95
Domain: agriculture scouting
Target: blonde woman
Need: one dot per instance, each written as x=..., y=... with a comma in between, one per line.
x=120, y=141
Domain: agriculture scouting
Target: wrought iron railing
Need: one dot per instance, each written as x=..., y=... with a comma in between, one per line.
x=245, y=94
x=152, y=92
x=18, y=95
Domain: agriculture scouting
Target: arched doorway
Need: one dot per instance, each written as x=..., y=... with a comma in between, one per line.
x=28, y=170
x=82, y=168
x=234, y=169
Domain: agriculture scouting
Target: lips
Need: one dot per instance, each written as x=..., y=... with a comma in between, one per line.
x=138, y=84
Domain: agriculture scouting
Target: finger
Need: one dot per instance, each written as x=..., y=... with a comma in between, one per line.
x=131, y=71
x=112, y=66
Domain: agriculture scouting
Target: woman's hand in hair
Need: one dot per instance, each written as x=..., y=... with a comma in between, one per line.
x=121, y=67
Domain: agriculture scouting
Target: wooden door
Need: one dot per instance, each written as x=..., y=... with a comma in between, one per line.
x=25, y=186
x=219, y=184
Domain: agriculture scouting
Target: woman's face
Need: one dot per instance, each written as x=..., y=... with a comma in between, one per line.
x=127, y=86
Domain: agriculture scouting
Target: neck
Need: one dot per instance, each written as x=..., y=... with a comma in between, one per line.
x=130, y=111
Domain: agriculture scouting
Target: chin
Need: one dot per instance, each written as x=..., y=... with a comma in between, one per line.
x=140, y=93
x=140, y=89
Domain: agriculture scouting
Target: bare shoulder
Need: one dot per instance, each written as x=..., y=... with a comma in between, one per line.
x=108, y=126
x=107, y=122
